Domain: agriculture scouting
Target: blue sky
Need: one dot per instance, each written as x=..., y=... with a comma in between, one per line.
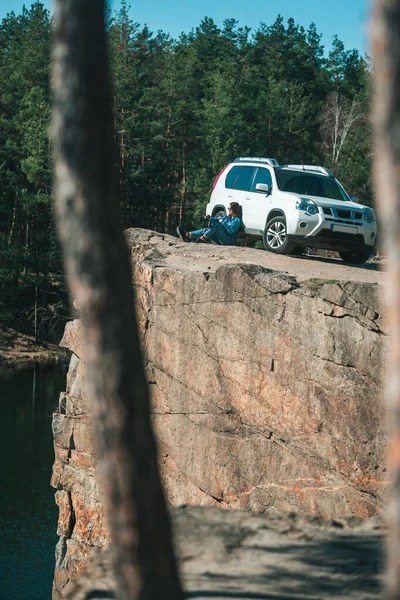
x=347, y=18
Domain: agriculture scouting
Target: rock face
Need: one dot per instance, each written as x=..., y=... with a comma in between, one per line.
x=266, y=389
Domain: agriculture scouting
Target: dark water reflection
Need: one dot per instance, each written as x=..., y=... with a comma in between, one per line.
x=28, y=514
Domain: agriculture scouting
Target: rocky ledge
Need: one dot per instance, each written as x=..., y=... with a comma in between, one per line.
x=231, y=554
x=266, y=384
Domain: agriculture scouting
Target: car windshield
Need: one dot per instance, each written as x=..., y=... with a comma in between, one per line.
x=309, y=184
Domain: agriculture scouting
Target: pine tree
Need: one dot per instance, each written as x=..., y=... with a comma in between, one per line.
x=27, y=240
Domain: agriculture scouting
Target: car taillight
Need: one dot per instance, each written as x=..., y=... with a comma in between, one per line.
x=217, y=177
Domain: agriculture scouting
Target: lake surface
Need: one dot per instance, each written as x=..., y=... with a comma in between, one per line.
x=28, y=513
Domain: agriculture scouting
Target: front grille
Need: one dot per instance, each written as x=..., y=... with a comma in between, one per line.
x=340, y=215
x=343, y=214
x=341, y=235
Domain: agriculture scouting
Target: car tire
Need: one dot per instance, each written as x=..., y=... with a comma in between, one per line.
x=275, y=237
x=356, y=257
x=220, y=214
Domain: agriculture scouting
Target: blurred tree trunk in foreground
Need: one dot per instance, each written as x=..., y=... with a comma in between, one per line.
x=386, y=52
x=99, y=275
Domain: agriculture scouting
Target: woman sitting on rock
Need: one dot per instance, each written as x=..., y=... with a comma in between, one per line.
x=221, y=230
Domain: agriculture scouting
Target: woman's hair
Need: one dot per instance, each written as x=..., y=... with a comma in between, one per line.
x=235, y=206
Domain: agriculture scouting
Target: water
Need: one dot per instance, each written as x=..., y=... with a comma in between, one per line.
x=28, y=514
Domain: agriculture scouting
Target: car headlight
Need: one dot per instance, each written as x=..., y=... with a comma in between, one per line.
x=307, y=205
x=369, y=215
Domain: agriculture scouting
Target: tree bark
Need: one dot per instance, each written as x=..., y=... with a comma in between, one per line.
x=99, y=277
x=386, y=115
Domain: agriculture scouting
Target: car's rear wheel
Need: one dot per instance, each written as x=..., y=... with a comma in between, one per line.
x=356, y=257
x=220, y=214
x=275, y=237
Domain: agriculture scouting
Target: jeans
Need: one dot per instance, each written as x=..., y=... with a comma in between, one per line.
x=216, y=233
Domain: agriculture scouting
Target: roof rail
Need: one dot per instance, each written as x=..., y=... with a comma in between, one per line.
x=269, y=161
x=322, y=170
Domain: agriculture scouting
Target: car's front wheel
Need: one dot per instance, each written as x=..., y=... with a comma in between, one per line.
x=275, y=237
x=356, y=257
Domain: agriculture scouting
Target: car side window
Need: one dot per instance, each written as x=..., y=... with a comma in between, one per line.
x=245, y=179
x=231, y=178
x=262, y=176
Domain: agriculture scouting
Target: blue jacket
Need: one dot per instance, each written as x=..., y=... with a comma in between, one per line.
x=230, y=224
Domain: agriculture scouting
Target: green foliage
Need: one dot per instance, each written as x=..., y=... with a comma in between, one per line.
x=30, y=262
x=183, y=109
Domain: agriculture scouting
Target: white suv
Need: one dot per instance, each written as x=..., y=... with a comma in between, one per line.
x=295, y=205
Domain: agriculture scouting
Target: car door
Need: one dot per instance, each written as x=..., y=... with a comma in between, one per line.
x=238, y=187
x=257, y=203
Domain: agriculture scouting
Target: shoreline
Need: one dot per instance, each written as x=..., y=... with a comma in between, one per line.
x=19, y=350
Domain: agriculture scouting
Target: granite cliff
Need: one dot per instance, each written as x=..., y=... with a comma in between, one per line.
x=266, y=383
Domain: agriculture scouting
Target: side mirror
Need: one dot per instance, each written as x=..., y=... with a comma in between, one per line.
x=263, y=187
x=354, y=199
